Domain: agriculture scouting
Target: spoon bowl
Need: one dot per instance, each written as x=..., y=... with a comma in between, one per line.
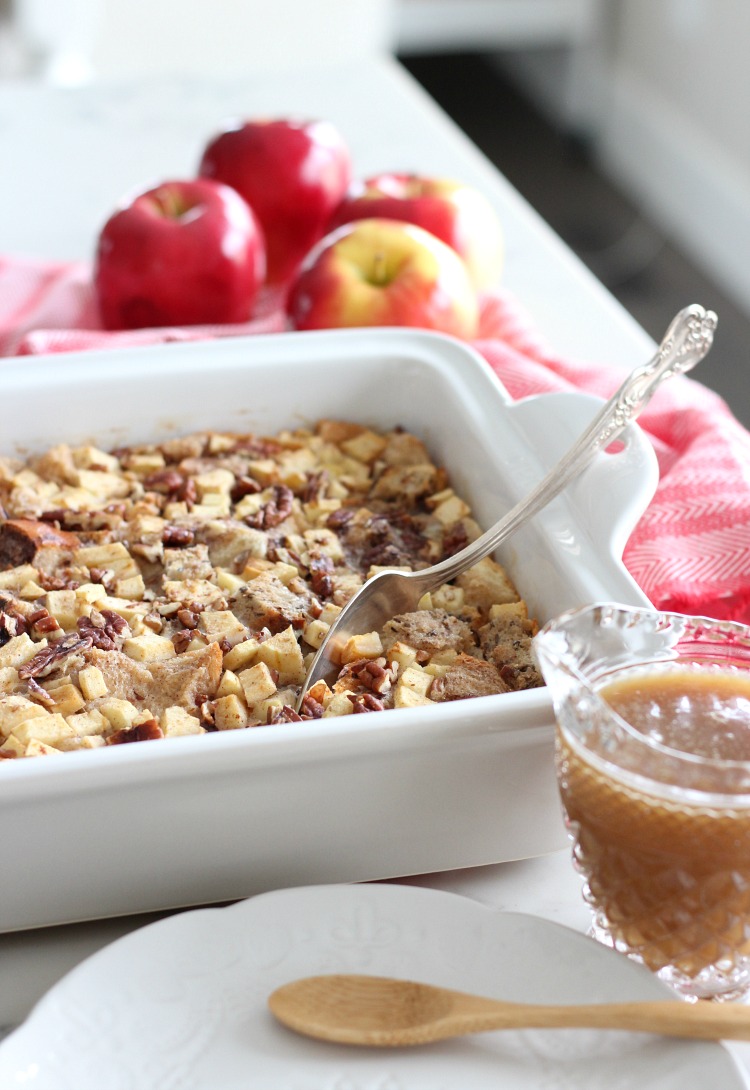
x=383, y=1012
x=390, y=592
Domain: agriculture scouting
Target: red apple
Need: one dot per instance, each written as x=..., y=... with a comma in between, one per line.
x=292, y=174
x=183, y=253
x=456, y=213
x=383, y=272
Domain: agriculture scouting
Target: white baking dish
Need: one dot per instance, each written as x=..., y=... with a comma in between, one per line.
x=206, y=819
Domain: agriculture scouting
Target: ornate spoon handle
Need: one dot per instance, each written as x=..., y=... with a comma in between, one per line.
x=686, y=342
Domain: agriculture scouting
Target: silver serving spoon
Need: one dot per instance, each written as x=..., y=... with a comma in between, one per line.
x=391, y=592
x=385, y=1013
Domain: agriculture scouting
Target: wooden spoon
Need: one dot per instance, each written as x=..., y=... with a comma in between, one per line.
x=378, y=1011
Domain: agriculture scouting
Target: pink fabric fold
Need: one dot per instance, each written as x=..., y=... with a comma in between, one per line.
x=690, y=552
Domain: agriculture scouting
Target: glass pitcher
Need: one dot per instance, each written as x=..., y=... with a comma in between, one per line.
x=653, y=766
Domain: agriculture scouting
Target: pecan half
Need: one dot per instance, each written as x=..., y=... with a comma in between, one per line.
x=146, y=731
x=49, y=657
x=274, y=511
x=366, y=702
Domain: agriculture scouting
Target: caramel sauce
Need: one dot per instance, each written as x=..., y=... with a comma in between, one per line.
x=668, y=872
x=697, y=711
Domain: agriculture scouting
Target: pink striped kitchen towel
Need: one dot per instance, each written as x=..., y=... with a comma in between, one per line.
x=690, y=551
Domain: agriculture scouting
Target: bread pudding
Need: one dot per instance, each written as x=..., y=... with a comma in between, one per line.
x=182, y=587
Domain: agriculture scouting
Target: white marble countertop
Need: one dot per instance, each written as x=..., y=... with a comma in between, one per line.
x=70, y=155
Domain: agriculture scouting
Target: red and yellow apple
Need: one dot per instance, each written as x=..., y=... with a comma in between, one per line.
x=456, y=213
x=292, y=174
x=182, y=253
x=377, y=272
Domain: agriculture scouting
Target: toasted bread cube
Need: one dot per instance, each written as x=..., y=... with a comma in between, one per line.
x=68, y=699
x=315, y=632
x=257, y=683
x=241, y=655
x=50, y=729
x=218, y=624
x=19, y=649
x=176, y=722
x=120, y=713
x=368, y=645
x=229, y=684
x=92, y=683
x=339, y=704
x=191, y=590
x=282, y=653
x=149, y=647
x=486, y=584
x=230, y=713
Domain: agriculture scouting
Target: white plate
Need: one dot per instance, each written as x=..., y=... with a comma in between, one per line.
x=181, y=1004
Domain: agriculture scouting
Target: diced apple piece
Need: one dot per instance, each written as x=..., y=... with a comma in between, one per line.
x=282, y=653
x=368, y=645
x=50, y=729
x=257, y=683
x=120, y=713
x=221, y=624
x=19, y=649
x=230, y=713
x=149, y=647
x=339, y=704
x=176, y=722
x=241, y=655
x=92, y=683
